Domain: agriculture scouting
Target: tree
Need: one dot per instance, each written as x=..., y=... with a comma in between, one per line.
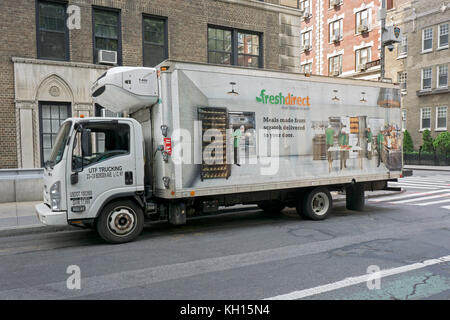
x=427, y=145
x=408, y=145
x=442, y=142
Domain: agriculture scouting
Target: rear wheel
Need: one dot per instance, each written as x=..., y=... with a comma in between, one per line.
x=120, y=221
x=316, y=205
x=272, y=207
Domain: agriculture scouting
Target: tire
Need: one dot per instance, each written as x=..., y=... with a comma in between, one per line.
x=120, y=221
x=316, y=205
x=272, y=207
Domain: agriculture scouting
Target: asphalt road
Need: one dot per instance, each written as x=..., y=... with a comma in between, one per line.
x=246, y=255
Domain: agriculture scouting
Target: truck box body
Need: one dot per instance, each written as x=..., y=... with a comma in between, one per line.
x=279, y=130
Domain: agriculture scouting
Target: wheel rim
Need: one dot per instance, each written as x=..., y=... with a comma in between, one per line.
x=320, y=203
x=121, y=221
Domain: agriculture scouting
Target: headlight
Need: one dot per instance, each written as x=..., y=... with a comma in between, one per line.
x=55, y=196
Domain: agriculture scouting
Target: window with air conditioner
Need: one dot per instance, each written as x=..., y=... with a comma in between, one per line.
x=443, y=36
x=442, y=80
x=362, y=56
x=305, y=6
x=427, y=40
x=425, y=118
x=426, y=78
x=335, y=31
x=107, y=36
x=306, y=41
x=362, y=21
x=335, y=65
x=441, y=118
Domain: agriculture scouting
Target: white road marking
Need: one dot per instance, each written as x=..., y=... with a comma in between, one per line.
x=424, y=179
x=419, y=184
x=357, y=280
x=409, y=195
x=423, y=182
x=446, y=207
x=432, y=202
x=421, y=198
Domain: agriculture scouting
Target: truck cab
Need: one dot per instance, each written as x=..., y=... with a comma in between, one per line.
x=95, y=161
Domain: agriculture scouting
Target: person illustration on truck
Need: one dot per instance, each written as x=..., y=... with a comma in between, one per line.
x=343, y=140
x=329, y=133
x=369, y=143
x=237, y=134
x=380, y=144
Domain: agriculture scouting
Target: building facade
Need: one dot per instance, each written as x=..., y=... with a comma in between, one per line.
x=420, y=64
x=341, y=38
x=52, y=51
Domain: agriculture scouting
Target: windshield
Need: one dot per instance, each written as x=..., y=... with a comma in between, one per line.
x=60, y=143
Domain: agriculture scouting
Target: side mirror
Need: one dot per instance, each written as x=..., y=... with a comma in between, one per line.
x=86, y=143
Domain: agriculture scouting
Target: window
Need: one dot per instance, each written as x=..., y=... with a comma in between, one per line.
x=403, y=119
x=441, y=118
x=402, y=49
x=306, y=68
x=443, y=36
x=248, y=49
x=51, y=116
x=427, y=40
x=335, y=65
x=362, y=19
x=219, y=46
x=290, y=3
x=306, y=40
x=155, y=40
x=442, y=76
x=107, y=32
x=335, y=30
x=426, y=78
x=425, y=118
x=52, y=35
x=235, y=47
x=362, y=57
x=389, y=4
x=305, y=6
x=108, y=141
x=402, y=78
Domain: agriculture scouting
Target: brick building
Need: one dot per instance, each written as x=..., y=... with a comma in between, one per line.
x=420, y=64
x=49, y=63
x=341, y=38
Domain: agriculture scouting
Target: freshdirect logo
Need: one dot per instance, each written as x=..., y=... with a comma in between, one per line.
x=290, y=99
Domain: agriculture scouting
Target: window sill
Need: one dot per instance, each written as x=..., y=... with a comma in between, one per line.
x=423, y=129
x=442, y=48
x=435, y=91
x=440, y=129
x=426, y=51
x=402, y=57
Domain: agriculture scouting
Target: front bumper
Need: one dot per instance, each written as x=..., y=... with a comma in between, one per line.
x=49, y=217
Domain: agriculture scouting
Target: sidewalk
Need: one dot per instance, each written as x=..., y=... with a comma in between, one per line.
x=431, y=168
x=18, y=218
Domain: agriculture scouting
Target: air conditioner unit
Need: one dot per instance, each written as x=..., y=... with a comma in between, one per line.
x=334, y=3
x=336, y=38
x=107, y=57
x=307, y=47
x=361, y=67
x=363, y=28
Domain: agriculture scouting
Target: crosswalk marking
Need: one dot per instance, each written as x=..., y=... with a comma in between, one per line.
x=408, y=195
x=432, y=202
x=421, y=198
x=446, y=207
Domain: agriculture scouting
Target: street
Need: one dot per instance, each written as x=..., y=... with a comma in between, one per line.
x=246, y=255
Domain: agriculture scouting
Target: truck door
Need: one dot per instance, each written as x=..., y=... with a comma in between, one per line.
x=103, y=168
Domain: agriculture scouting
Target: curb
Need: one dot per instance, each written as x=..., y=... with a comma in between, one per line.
x=34, y=229
x=40, y=228
x=425, y=169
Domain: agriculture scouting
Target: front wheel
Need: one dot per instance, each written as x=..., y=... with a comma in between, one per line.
x=120, y=222
x=317, y=204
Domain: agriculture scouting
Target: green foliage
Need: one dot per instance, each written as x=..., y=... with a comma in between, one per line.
x=408, y=145
x=442, y=142
x=427, y=145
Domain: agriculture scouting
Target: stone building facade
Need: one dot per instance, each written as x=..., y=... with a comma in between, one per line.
x=420, y=64
x=49, y=62
x=341, y=38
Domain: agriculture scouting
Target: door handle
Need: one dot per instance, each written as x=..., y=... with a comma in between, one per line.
x=128, y=177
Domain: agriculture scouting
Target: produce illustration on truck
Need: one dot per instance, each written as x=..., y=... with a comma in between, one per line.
x=190, y=146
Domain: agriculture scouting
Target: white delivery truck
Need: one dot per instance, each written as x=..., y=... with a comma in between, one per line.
x=199, y=137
